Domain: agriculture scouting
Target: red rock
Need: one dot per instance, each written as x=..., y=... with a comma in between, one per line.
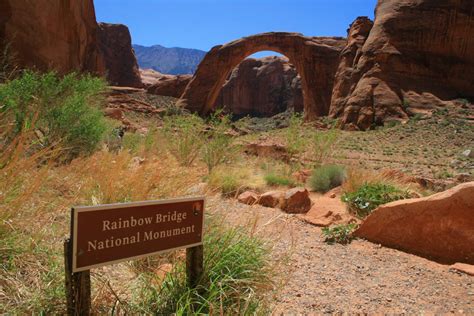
x=328, y=211
x=248, y=197
x=296, y=200
x=267, y=148
x=116, y=46
x=462, y=267
x=169, y=85
x=439, y=227
x=315, y=59
x=60, y=35
x=302, y=175
x=389, y=73
x=114, y=113
x=262, y=87
x=271, y=199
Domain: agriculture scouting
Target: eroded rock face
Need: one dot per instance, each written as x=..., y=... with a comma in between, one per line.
x=60, y=35
x=169, y=85
x=296, y=200
x=315, y=58
x=440, y=227
x=116, y=46
x=262, y=87
x=415, y=48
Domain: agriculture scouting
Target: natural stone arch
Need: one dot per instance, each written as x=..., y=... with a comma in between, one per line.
x=315, y=58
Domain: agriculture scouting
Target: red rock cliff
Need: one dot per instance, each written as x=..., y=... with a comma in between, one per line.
x=416, y=49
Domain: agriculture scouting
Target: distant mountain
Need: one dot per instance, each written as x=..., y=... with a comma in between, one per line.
x=175, y=60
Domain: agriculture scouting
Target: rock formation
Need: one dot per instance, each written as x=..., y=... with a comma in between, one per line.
x=262, y=87
x=416, y=49
x=168, y=85
x=60, y=35
x=116, y=46
x=439, y=227
x=315, y=58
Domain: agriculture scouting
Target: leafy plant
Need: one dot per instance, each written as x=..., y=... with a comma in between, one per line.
x=61, y=111
x=369, y=196
x=184, y=137
x=341, y=234
x=276, y=179
x=295, y=142
x=326, y=178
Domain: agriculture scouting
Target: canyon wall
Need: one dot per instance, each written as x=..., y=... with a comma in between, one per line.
x=417, y=50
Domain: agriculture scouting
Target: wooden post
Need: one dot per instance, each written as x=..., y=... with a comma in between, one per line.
x=194, y=265
x=78, y=286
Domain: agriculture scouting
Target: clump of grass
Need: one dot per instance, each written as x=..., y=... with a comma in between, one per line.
x=326, y=178
x=371, y=195
x=274, y=179
x=233, y=180
x=184, y=137
x=295, y=142
x=322, y=145
x=218, y=148
x=237, y=274
x=341, y=234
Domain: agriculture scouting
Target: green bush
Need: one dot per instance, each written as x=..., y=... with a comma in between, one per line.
x=236, y=276
x=341, y=234
x=61, y=111
x=184, y=136
x=276, y=179
x=295, y=142
x=326, y=178
x=218, y=146
x=369, y=196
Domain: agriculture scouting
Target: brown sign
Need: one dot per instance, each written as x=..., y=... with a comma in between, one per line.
x=107, y=234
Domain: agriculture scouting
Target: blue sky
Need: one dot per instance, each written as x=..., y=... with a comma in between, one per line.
x=203, y=24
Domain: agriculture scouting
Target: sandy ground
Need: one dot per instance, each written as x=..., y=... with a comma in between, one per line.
x=357, y=278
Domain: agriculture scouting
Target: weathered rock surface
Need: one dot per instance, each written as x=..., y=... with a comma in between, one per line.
x=415, y=49
x=60, y=35
x=296, y=200
x=248, y=197
x=315, y=58
x=462, y=267
x=267, y=148
x=169, y=85
x=440, y=227
x=115, y=45
x=262, y=87
x=271, y=199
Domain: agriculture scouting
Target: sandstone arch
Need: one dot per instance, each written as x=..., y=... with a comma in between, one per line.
x=315, y=58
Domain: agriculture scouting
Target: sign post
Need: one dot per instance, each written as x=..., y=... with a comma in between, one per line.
x=107, y=234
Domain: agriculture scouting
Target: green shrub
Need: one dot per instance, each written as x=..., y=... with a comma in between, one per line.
x=326, y=178
x=184, y=136
x=341, y=234
x=276, y=179
x=322, y=145
x=132, y=142
x=369, y=196
x=295, y=142
x=61, y=111
x=218, y=146
x=236, y=276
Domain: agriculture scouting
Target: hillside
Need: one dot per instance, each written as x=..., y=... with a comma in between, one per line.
x=174, y=60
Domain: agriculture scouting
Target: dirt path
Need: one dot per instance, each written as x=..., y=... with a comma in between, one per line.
x=358, y=278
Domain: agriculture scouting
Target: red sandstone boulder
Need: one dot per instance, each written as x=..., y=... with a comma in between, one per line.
x=296, y=200
x=271, y=199
x=462, y=267
x=415, y=49
x=114, y=113
x=115, y=44
x=440, y=227
x=248, y=197
x=262, y=87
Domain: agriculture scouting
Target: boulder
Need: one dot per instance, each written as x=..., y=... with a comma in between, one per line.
x=327, y=211
x=267, y=148
x=462, y=267
x=296, y=200
x=248, y=197
x=262, y=87
x=439, y=227
x=416, y=51
x=271, y=199
x=115, y=44
x=114, y=113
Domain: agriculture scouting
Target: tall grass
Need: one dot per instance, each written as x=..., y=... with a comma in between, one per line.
x=237, y=274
